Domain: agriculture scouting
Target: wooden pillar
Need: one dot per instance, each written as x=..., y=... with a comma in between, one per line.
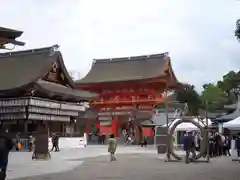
x=47, y=127
x=138, y=133
x=41, y=142
x=26, y=127
x=63, y=128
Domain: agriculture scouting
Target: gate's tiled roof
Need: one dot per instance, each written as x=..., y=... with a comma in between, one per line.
x=128, y=69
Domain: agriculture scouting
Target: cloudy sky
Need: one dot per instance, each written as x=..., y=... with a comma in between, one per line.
x=198, y=34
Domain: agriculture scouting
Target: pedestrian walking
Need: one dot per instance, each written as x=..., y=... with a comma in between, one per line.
x=54, y=142
x=18, y=144
x=112, y=146
x=237, y=146
x=227, y=146
x=57, y=143
x=30, y=143
x=189, y=147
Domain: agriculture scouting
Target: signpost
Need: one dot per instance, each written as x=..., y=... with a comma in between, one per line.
x=160, y=139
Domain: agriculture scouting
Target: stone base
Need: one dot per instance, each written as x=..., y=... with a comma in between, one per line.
x=161, y=149
x=41, y=156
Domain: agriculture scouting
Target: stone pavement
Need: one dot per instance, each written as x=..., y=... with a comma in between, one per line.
x=21, y=164
x=145, y=167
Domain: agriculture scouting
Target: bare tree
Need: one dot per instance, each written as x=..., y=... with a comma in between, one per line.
x=237, y=31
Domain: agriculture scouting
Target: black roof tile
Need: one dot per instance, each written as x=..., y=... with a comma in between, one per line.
x=65, y=91
x=10, y=33
x=9, y=36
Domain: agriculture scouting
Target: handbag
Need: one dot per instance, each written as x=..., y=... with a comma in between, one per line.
x=19, y=146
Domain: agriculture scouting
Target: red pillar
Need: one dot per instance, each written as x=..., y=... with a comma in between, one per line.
x=86, y=129
x=97, y=124
x=115, y=126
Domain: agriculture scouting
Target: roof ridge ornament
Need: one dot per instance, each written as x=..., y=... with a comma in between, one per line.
x=54, y=49
x=141, y=57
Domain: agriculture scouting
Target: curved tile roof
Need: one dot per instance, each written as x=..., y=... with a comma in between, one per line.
x=21, y=69
x=9, y=36
x=63, y=90
x=232, y=115
x=127, y=69
x=18, y=69
x=10, y=33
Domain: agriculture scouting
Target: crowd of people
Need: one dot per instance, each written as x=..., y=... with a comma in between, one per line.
x=219, y=145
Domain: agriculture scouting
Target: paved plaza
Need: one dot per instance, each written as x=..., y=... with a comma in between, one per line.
x=132, y=163
x=21, y=164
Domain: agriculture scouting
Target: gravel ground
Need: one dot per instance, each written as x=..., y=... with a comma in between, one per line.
x=145, y=167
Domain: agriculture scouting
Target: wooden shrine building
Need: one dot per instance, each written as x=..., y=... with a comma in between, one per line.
x=129, y=88
x=8, y=36
x=36, y=90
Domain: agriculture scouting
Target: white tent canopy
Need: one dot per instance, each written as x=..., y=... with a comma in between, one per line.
x=189, y=126
x=233, y=124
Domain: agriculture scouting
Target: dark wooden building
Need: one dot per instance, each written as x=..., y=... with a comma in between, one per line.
x=8, y=36
x=36, y=89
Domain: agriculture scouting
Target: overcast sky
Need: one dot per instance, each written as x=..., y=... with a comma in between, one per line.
x=198, y=34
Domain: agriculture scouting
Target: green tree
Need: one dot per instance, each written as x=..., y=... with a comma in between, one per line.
x=237, y=30
x=214, y=96
x=230, y=85
x=190, y=96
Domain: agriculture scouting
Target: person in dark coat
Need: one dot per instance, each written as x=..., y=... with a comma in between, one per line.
x=30, y=143
x=237, y=145
x=143, y=142
x=17, y=141
x=54, y=142
x=211, y=145
x=103, y=138
x=227, y=146
x=57, y=143
x=6, y=144
x=218, y=144
x=189, y=147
